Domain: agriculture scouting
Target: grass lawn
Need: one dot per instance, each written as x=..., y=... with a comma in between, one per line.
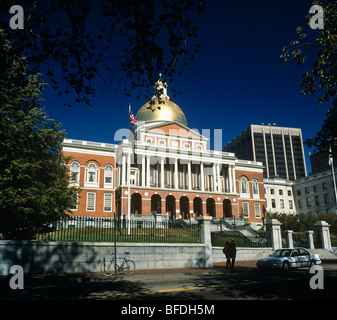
x=161, y=235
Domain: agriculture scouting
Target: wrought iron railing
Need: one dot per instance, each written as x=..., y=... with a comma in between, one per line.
x=97, y=229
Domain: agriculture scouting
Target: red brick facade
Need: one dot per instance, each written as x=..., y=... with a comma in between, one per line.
x=179, y=203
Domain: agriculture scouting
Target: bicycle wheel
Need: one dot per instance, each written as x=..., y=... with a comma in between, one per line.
x=128, y=267
x=108, y=268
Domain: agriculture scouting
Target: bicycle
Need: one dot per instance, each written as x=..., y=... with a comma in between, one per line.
x=108, y=267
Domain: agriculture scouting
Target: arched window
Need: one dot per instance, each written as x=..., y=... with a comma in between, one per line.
x=244, y=185
x=108, y=175
x=92, y=173
x=255, y=187
x=75, y=172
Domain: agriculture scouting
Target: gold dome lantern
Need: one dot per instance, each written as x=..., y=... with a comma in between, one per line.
x=160, y=108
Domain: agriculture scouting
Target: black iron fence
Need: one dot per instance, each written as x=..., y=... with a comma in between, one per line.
x=96, y=229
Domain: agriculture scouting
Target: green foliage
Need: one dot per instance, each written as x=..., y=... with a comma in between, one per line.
x=307, y=221
x=319, y=46
x=33, y=179
x=123, y=43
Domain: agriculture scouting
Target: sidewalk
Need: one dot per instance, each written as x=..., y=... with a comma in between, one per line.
x=218, y=267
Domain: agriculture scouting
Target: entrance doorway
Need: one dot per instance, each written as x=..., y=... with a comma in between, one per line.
x=171, y=206
x=184, y=208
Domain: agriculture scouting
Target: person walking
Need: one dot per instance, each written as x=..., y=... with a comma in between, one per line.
x=232, y=253
x=225, y=251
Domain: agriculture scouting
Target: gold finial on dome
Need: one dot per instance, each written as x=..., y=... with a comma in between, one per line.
x=160, y=89
x=160, y=108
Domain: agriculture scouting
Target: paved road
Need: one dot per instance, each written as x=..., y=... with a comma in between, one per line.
x=218, y=283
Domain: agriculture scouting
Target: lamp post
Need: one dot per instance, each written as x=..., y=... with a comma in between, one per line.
x=264, y=211
x=298, y=221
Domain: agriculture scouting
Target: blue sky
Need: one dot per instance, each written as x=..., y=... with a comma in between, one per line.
x=236, y=80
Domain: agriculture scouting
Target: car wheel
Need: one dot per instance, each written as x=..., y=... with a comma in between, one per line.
x=286, y=266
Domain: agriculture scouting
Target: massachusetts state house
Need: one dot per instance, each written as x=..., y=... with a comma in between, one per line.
x=171, y=172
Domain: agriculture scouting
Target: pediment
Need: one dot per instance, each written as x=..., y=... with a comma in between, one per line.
x=174, y=128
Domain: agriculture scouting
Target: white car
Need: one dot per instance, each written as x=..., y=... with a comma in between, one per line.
x=289, y=258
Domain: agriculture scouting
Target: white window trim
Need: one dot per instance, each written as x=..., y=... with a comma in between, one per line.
x=243, y=205
x=259, y=206
x=94, y=193
x=87, y=182
x=77, y=181
x=107, y=194
x=244, y=194
x=106, y=184
x=256, y=195
x=136, y=174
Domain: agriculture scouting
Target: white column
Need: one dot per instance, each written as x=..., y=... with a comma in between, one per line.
x=148, y=171
x=202, y=185
x=143, y=170
x=230, y=181
x=218, y=176
x=214, y=178
x=176, y=173
x=184, y=177
x=189, y=175
x=123, y=169
x=234, y=179
x=162, y=172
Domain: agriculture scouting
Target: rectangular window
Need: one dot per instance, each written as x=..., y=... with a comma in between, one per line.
x=308, y=202
x=299, y=204
x=257, y=210
x=273, y=203
x=91, y=198
x=317, y=200
x=108, y=202
x=291, y=206
x=133, y=177
x=245, y=209
x=326, y=198
x=281, y=203
x=75, y=207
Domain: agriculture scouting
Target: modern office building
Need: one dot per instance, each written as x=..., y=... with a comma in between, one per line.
x=280, y=149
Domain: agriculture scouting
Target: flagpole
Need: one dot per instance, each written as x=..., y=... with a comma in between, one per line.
x=128, y=174
x=333, y=175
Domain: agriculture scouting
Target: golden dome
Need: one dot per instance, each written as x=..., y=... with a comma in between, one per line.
x=161, y=109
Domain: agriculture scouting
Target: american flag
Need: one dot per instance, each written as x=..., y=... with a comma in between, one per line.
x=132, y=117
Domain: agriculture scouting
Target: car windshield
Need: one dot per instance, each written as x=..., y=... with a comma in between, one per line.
x=281, y=253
